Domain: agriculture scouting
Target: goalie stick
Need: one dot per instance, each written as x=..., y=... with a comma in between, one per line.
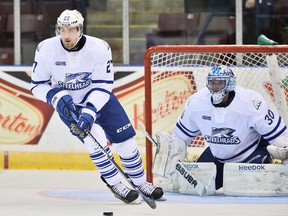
x=150, y=138
x=199, y=187
x=150, y=201
x=276, y=77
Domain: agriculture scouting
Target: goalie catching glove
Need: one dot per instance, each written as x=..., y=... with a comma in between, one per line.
x=279, y=150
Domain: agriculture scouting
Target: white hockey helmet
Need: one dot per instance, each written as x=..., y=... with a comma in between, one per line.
x=220, y=81
x=70, y=19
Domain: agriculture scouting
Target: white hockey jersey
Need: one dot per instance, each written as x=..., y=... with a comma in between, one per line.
x=86, y=74
x=233, y=132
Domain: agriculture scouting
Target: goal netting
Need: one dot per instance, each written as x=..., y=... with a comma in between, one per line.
x=173, y=73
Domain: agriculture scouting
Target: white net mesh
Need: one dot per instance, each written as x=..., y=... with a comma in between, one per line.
x=177, y=72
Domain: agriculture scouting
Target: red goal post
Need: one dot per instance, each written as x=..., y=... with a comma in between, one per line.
x=173, y=73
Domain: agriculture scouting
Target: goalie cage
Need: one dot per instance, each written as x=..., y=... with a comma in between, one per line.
x=173, y=73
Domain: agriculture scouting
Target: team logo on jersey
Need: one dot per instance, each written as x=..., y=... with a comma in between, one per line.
x=223, y=136
x=76, y=81
x=257, y=104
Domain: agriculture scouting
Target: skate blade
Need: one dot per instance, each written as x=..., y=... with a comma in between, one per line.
x=136, y=202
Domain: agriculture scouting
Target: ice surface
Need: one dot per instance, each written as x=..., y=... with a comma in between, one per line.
x=82, y=193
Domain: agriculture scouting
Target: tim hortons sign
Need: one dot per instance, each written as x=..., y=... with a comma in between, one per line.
x=23, y=118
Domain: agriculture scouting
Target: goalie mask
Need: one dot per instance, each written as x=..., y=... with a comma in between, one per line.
x=70, y=19
x=220, y=81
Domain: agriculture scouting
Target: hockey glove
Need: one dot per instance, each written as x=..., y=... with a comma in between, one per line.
x=279, y=149
x=61, y=101
x=86, y=120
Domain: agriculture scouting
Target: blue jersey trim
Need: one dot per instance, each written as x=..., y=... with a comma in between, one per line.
x=103, y=81
x=40, y=82
x=240, y=153
x=92, y=90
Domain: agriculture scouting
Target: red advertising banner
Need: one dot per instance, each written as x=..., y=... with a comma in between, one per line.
x=23, y=118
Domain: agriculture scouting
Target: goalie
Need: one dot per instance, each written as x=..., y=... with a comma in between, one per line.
x=237, y=125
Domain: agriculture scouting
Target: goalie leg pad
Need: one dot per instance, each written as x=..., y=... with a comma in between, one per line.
x=196, y=178
x=244, y=179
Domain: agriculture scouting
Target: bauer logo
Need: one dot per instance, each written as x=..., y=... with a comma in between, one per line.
x=21, y=120
x=186, y=175
x=259, y=167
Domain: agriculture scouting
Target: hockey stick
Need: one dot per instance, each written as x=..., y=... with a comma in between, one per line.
x=276, y=77
x=159, y=161
x=150, y=138
x=199, y=187
x=148, y=200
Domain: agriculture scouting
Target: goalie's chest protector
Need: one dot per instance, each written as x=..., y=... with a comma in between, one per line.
x=229, y=130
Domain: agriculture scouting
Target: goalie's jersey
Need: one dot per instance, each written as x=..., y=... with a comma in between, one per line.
x=233, y=132
x=86, y=74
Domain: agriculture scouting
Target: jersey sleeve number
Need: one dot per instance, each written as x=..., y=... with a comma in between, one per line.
x=34, y=66
x=269, y=117
x=109, y=64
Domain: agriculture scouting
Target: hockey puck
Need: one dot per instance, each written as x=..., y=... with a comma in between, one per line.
x=107, y=213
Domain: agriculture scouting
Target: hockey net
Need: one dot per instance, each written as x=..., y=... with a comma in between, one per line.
x=173, y=73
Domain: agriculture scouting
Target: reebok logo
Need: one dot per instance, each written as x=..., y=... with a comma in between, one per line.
x=252, y=167
x=190, y=166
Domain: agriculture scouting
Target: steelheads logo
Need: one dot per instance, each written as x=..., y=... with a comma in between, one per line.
x=223, y=136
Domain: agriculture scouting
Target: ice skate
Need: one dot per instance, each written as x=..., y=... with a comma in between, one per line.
x=151, y=191
x=122, y=192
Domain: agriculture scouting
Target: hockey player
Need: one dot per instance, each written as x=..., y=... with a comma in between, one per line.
x=74, y=73
x=237, y=125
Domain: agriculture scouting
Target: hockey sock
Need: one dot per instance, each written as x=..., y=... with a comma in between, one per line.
x=134, y=167
x=105, y=166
